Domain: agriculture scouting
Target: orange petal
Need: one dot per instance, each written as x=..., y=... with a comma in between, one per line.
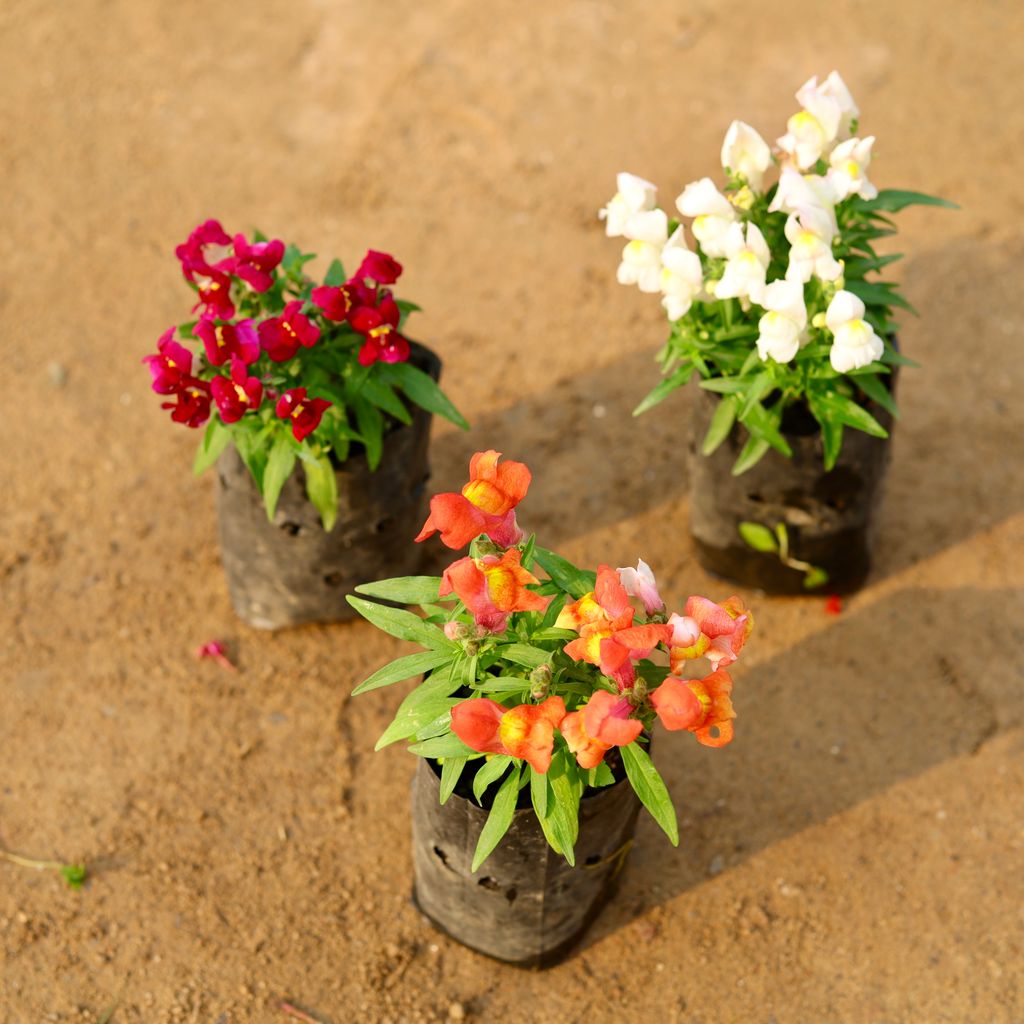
x=611, y=594
x=477, y=722
x=606, y=718
x=677, y=705
x=458, y=520
x=528, y=732
x=707, y=736
x=589, y=751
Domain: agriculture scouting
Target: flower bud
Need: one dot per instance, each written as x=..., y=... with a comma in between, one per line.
x=483, y=546
x=540, y=682
x=638, y=694
x=457, y=631
x=472, y=648
x=742, y=198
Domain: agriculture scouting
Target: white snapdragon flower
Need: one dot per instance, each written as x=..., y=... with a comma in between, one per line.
x=745, y=152
x=797, y=193
x=834, y=88
x=635, y=195
x=647, y=232
x=782, y=327
x=712, y=212
x=810, y=233
x=682, y=277
x=848, y=172
x=855, y=343
x=747, y=264
x=810, y=132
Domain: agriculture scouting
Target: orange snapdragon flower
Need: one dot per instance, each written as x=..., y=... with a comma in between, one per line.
x=526, y=732
x=698, y=705
x=492, y=587
x=602, y=723
x=604, y=620
x=485, y=505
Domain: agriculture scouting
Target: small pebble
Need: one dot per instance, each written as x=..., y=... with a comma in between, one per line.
x=717, y=865
x=58, y=374
x=456, y=1011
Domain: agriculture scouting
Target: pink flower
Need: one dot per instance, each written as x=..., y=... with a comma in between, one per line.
x=714, y=631
x=214, y=295
x=215, y=650
x=227, y=341
x=338, y=303
x=379, y=326
x=492, y=588
x=640, y=582
x=171, y=366
x=205, y=249
x=305, y=413
x=237, y=396
x=192, y=405
x=379, y=266
x=254, y=262
x=282, y=335
x=604, y=722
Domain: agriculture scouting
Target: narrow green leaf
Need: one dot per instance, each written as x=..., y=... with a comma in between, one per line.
x=403, y=589
x=876, y=390
x=753, y=451
x=442, y=747
x=650, y=788
x=721, y=424
x=381, y=395
x=423, y=707
x=280, y=464
x=879, y=294
x=489, y=772
x=575, y=581
x=524, y=654
x=893, y=200
x=758, y=537
x=402, y=624
x=451, y=772
x=335, y=276
x=322, y=489
x=403, y=668
x=539, y=796
x=764, y=423
x=562, y=819
x=600, y=776
x=499, y=820
x=422, y=389
x=760, y=386
x=850, y=413
x=727, y=385
x=371, y=430
x=661, y=391
x=215, y=439
x=814, y=578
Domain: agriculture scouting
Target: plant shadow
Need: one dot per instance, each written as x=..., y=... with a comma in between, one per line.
x=825, y=726
x=947, y=479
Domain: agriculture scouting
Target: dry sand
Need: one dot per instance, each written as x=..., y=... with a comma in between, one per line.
x=245, y=843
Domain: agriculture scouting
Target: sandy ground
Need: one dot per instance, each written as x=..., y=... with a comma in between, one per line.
x=245, y=843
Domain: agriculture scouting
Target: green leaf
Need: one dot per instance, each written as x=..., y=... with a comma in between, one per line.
x=753, y=451
x=831, y=429
x=404, y=625
x=600, y=776
x=575, y=581
x=489, y=772
x=422, y=707
x=561, y=820
x=74, y=874
x=721, y=423
x=850, y=413
x=403, y=589
x=403, y=668
x=499, y=820
x=661, y=391
x=760, y=386
x=422, y=389
x=814, y=578
x=322, y=489
x=758, y=537
x=502, y=684
x=893, y=200
x=451, y=772
x=524, y=654
x=764, y=423
x=727, y=385
x=280, y=464
x=879, y=294
x=216, y=438
x=442, y=747
x=371, y=430
x=335, y=276
x=381, y=395
x=857, y=266
x=876, y=390
x=650, y=788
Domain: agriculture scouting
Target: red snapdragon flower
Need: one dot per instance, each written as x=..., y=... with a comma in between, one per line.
x=701, y=706
x=304, y=413
x=205, y=250
x=337, y=303
x=492, y=588
x=228, y=341
x=604, y=620
x=254, y=262
x=379, y=326
x=380, y=267
x=235, y=397
x=215, y=300
x=486, y=504
x=604, y=722
x=282, y=335
x=192, y=405
x=526, y=732
x=171, y=366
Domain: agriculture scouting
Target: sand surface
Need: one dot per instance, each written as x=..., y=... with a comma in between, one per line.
x=855, y=855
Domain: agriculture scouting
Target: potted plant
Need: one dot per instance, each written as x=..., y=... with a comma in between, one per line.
x=303, y=390
x=534, y=716
x=780, y=313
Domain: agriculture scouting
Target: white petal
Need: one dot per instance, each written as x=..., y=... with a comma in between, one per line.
x=701, y=197
x=648, y=226
x=845, y=306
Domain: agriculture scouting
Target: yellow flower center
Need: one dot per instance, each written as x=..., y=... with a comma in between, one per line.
x=485, y=496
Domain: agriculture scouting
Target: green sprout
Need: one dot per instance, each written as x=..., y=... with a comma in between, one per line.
x=74, y=874
x=776, y=542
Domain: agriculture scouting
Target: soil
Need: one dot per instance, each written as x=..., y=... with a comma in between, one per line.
x=855, y=855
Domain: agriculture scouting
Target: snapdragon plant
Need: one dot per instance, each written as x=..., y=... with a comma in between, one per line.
x=535, y=682
x=780, y=303
x=290, y=371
